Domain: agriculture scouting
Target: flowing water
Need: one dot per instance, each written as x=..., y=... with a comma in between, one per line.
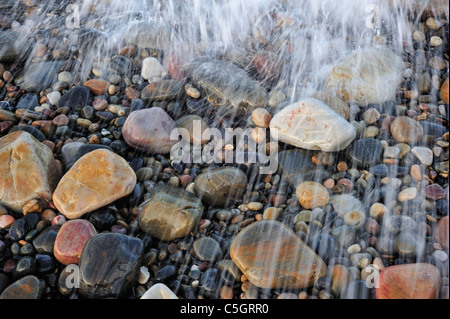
x=286, y=46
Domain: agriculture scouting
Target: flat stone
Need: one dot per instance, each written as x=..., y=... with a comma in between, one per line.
x=366, y=152
x=28, y=287
x=70, y=240
x=162, y=90
x=406, y=130
x=149, y=130
x=220, y=187
x=27, y=168
x=441, y=232
x=434, y=191
x=424, y=154
x=109, y=265
x=407, y=194
x=95, y=180
x=159, y=291
x=170, y=213
x=365, y=76
x=409, y=281
x=312, y=194
x=207, y=249
x=270, y=255
x=97, y=86
x=312, y=125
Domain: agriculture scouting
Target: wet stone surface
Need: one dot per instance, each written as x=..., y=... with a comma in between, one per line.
x=132, y=149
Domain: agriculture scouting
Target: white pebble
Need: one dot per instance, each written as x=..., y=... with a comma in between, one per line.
x=144, y=275
x=354, y=249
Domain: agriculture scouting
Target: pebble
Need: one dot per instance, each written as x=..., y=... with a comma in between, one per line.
x=312, y=194
x=170, y=213
x=424, y=154
x=397, y=223
x=406, y=130
x=220, y=187
x=207, y=249
x=409, y=281
x=70, y=240
x=261, y=117
x=123, y=264
x=262, y=266
x=407, y=194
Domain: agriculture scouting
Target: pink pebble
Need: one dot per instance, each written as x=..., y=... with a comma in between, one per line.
x=58, y=220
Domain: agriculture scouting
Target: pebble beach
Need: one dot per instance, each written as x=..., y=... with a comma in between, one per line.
x=94, y=204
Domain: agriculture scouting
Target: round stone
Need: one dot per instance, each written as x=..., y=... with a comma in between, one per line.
x=406, y=130
x=207, y=249
x=312, y=194
x=220, y=187
x=366, y=152
x=70, y=240
x=405, y=243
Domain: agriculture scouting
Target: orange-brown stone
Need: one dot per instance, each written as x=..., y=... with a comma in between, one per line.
x=271, y=255
x=97, y=86
x=441, y=232
x=95, y=180
x=26, y=169
x=444, y=91
x=409, y=281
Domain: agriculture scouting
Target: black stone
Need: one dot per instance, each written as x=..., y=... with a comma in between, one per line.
x=366, y=152
x=25, y=266
x=76, y=98
x=102, y=220
x=27, y=250
x=44, y=242
x=442, y=207
x=136, y=163
x=32, y=219
x=18, y=229
x=165, y=273
x=209, y=282
x=109, y=264
x=44, y=264
x=4, y=282
x=87, y=112
x=105, y=116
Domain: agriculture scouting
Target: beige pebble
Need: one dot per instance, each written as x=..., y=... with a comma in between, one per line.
x=377, y=211
x=259, y=135
x=192, y=91
x=418, y=36
x=416, y=173
x=272, y=213
x=436, y=41
x=261, y=117
x=254, y=206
